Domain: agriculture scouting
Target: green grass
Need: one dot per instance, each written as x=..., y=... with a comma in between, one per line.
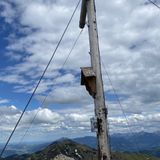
x=132, y=156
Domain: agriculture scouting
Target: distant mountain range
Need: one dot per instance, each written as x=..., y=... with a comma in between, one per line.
x=125, y=142
x=148, y=143
x=70, y=150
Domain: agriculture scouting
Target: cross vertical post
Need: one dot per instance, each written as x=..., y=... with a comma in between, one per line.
x=88, y=10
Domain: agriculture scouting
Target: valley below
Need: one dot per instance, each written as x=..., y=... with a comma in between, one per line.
x=84, y=148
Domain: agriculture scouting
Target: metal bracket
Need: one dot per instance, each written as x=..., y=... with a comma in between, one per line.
x=94, y=127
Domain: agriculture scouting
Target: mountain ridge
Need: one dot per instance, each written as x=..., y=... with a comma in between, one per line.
x=69, y=150
x=126, y=142
x=148, y=143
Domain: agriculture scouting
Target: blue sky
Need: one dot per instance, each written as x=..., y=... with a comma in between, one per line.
x=129, y=36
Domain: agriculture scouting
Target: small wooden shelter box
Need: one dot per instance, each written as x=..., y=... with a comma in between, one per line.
x=88, y=78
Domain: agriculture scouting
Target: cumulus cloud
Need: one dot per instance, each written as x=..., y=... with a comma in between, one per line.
x=67, y=95
x=45, y=120
x=135, y=123
x=3, y=101
x=71, y=120
x=44, y=116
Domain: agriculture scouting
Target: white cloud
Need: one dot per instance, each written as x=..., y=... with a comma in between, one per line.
x=3, y=101
x=43, y=14
x=46, y=121
x=71, y=120
x=68, y=78
x=135, y=123
x=44, y=116
x=13, y=79
x=68, y=94
x=7, y=11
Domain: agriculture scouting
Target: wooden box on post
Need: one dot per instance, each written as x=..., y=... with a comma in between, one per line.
x=88, y=78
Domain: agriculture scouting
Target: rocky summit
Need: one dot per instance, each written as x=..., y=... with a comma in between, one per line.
x=62, y=157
